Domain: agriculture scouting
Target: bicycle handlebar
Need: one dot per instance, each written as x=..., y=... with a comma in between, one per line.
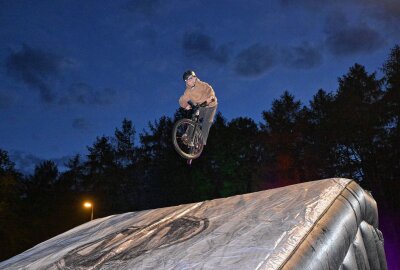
x=204, y=104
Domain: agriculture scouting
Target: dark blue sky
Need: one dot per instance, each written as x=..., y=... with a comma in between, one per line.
x=72, y=70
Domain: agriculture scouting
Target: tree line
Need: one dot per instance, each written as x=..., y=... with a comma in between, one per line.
x=352, y=132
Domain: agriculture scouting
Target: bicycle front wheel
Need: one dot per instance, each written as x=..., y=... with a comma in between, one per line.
x=187, y=139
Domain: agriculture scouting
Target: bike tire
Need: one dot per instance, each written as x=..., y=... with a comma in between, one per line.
x=183, y=150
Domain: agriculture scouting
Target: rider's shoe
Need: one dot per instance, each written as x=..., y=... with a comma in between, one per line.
x=185, y=139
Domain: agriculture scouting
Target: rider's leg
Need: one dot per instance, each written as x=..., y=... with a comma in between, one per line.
x=189, y=131
x=207, y=114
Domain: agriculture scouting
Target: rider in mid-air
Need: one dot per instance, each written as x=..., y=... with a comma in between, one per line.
x=198, y=92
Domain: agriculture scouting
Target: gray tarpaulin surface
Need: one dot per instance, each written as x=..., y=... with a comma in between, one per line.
x=325, y=224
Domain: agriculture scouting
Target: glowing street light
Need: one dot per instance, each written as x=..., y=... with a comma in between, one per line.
x=89, y=205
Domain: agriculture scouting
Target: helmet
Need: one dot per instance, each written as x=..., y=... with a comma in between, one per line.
x=187, y=74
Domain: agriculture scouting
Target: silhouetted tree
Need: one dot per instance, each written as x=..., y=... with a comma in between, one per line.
x=283, y=137
x=391, y=103
x=125, y=148
x=127, y=161
x=41, y=201
x=232, y=156
x=72, y=179
x=10, y=213
x=102, y=181
x=358, y=125
x=319, y=140
x=389, y=155
x=165, y=174
x=71, y=193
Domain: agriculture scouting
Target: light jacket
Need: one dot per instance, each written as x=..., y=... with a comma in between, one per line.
x=199, y=93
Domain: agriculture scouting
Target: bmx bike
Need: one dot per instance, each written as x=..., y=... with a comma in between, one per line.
x=187, y=135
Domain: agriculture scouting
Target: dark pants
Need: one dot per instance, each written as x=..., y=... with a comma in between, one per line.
x=207, y=114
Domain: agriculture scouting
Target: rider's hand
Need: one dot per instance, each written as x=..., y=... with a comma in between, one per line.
x=210, y=99
x=188, y=107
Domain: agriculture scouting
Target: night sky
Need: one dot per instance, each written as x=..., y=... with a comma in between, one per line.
x=73, y=70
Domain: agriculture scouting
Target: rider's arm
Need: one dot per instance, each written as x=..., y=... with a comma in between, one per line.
x=210, y=94
x=183, y=100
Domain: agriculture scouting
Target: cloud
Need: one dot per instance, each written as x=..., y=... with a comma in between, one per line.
x=84, y=94
x=255, y=60
x=40, y=70
x=352, y=39
x=383, y=15
x=302, y=57
x=387, y=11
x=196, y=44
x=26, y=163
x=80, y=124
x=37, y=69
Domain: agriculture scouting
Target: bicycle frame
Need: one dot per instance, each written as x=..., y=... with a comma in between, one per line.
x=192, y=145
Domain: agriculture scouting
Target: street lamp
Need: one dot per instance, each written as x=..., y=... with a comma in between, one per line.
x=89, y=205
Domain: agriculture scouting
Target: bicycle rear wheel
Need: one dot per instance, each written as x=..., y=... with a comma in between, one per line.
x=187, y=139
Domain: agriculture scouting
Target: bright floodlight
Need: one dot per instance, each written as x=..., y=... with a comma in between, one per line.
x=87, y=204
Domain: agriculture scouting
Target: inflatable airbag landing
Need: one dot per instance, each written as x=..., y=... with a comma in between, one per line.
x=325, y=224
